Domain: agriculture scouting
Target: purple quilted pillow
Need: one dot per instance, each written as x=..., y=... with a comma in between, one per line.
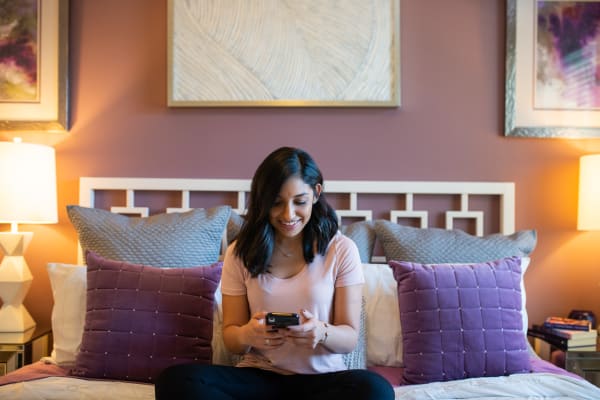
x=142, y=319
x=461, y=320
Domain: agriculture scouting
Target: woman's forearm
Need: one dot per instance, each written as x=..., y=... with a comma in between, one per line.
x=234, y=339
x=338, y=338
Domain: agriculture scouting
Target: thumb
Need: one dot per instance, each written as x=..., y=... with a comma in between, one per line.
x=307, y=314
x=260, y=315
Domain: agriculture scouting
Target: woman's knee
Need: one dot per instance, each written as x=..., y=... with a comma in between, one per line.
x=176, y=379
x=374, y=386
x=175, y=372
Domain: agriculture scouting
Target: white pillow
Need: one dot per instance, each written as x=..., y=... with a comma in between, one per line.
x=69, y=285
x=384, y=336
x=524, y=264
x=220, y=353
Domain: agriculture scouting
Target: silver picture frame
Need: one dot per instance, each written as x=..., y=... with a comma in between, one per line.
x=522, y=117
x=51, y=112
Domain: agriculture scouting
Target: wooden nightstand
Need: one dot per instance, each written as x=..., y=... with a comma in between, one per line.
x=19, y=349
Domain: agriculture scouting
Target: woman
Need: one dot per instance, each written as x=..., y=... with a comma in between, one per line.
x=288, y=257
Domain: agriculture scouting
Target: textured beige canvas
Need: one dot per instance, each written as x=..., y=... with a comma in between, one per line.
x=283, y=53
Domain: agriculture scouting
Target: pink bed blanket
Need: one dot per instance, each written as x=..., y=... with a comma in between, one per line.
x=36, y=370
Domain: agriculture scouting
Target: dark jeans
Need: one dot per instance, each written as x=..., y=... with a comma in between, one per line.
x=193, y=381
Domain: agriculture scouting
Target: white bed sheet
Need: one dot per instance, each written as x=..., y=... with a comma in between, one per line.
x=63, y=388
x=519, y=386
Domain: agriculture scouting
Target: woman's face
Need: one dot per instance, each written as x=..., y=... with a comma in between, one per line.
x=292, y=208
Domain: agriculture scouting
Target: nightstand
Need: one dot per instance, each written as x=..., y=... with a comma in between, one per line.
x=585, y=364
x=18, y=349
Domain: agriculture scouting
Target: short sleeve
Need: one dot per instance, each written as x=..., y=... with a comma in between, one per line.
x=349, y=264
x=234, y=275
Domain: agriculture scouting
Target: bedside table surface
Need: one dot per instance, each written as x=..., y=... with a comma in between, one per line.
x=21, y=338
x=28, y=346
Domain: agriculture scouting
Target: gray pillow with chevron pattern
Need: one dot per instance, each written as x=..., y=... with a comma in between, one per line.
x=162, y=240
x=363, y=234
x=436, y=245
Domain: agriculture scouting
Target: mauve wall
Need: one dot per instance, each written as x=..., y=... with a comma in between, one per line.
x=449, y=128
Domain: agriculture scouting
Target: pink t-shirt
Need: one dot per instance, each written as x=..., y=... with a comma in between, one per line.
x=311, y=289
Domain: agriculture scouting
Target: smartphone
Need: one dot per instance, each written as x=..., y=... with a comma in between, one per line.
x=282, y=319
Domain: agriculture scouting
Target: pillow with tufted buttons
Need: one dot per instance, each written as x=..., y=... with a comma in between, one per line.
x=142, y=319
x=461, y=321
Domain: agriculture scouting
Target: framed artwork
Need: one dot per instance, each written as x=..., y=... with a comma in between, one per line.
x=283, y=53
x=553, y=69
x=34, y=65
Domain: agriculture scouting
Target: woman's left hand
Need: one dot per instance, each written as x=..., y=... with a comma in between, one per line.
x=309, y=333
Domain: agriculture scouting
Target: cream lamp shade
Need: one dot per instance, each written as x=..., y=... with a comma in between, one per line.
x=27, y=184
x=588, y=217
x=27, y=195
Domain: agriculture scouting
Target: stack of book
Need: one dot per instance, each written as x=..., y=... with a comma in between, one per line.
x=567, y=323
x=566, y=334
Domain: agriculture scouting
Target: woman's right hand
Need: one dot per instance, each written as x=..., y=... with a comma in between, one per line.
x=261, y=336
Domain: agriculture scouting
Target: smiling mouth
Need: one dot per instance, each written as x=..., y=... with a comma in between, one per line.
x=290, y=223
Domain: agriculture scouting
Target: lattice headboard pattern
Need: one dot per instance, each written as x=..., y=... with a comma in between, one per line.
x=349, y=193
x=349, y=197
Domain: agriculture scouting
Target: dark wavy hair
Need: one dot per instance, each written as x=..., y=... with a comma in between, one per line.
x=256, y=239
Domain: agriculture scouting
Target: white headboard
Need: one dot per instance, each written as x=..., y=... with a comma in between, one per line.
x=348, y=193
x=352, y=190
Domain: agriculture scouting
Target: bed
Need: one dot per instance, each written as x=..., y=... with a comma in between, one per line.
x=114, y=330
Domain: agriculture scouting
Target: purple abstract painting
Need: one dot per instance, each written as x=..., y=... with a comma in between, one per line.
x=19, y=24
x=567, y=55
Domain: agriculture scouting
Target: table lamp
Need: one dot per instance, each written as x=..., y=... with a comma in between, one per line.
x=27, y=195
x=588, y=212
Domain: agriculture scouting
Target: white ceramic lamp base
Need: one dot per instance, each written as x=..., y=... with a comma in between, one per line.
x=15, y=280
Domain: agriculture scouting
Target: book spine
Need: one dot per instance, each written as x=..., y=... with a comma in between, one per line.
x=571, y=334
x=573, y=327
x=550, y=331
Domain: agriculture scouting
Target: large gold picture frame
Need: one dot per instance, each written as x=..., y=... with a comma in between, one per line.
x=280, y=53
x=50, y=112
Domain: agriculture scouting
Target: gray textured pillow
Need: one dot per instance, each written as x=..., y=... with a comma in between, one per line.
x=162, y=240
x=234, y=224
x=436, y=245
x=357, y=358
x=363, y=234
